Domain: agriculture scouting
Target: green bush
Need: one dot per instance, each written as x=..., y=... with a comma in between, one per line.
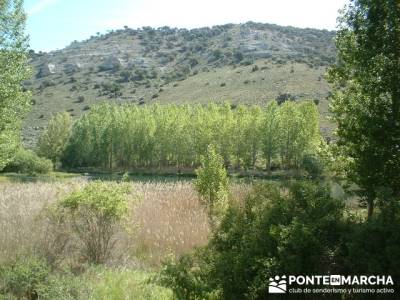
x=126, y=285
x=276, y=232
x=112, y=89
x=30, y=278
x=373, y=246
x=27, y=161
x=24, y=278
x=313, y=166
x=189, y=277
x=95, y=213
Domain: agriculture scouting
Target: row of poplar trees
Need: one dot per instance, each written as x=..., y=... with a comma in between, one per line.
x=129, y=136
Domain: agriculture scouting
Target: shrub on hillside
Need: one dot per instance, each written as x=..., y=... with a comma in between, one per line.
x=112, y=89
x=238, y=56
x=282, y=98
x=27, y=161
x=254, y=68
x=125, y=76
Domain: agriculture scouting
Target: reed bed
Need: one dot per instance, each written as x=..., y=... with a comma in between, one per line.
x=168, y=219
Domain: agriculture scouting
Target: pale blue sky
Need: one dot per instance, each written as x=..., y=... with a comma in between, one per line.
x=53, y=24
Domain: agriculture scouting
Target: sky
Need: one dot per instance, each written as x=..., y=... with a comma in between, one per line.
x=54, y=24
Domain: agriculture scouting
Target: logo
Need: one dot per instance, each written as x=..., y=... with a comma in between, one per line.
x=277, y=285
x=333, y=284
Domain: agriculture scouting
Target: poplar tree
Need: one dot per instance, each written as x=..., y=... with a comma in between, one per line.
x=366, y=98
x=14, y=101
x=53, y=141
x=212, y=183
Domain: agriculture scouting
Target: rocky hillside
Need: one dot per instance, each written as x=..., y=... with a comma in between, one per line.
x=243, y=63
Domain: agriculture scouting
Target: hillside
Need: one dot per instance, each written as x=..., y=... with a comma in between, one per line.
x=244, y=63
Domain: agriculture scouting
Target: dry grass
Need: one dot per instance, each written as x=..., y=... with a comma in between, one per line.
x=21, y=205
x=168, y=220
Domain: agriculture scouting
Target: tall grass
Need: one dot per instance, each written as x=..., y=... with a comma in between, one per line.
x=168, y=219
x=20, y=206
x=171, y=220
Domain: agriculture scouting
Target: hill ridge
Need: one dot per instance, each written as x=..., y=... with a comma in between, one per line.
x=145, y=65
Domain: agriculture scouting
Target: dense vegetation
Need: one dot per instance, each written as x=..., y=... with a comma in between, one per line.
x=125, y=137
x=28, y=162
x=292, y=228
x=14, y=101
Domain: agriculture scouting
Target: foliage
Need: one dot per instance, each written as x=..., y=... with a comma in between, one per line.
x=366, y=101
x=24, y=278
x=112, y=89
x=129, y=136
x=126, y=284
x=298, y=132
x=313, y=165
x=212, y=184
x=30, y=278
x=14, y=102
x=189, y=277
x=54, y=139
x=282, y=98
x=95, y=212
x=373, y=247
x=27, y=161
x=270, y=137
x=276, y=232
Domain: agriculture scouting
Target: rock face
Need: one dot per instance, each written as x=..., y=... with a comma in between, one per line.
x=71, y=68
x=46, y=70
x=111, y=63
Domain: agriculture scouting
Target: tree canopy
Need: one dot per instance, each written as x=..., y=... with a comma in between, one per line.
x=366, y=101
x=14, y=101
x=129, y=136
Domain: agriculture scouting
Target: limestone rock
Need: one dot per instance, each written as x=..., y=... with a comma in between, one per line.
x=46, y=70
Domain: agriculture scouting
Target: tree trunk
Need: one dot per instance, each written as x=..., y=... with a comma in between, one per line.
x=370, y=205
x=269, y=165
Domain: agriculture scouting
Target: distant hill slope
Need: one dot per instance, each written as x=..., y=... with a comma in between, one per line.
x=240, y=63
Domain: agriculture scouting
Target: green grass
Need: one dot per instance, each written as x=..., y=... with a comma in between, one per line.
x=123, y=285
x=51, y=177
x=100, y=283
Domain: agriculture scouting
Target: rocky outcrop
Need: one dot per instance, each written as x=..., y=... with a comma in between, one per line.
x=46, y=69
